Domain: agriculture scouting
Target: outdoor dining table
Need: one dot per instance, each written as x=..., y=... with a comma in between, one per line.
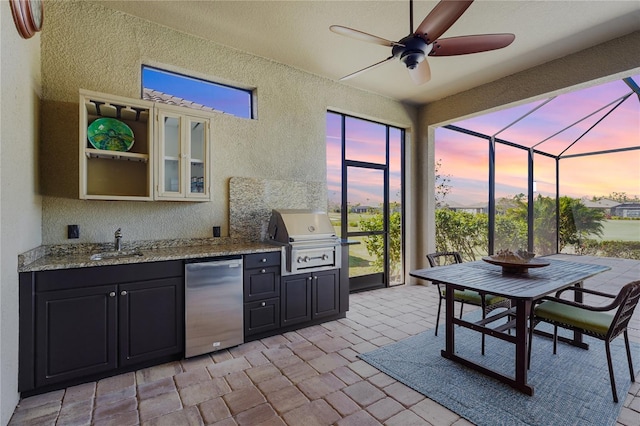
x=523, y=289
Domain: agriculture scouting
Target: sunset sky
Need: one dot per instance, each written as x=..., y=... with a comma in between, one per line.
x=465, y=158
x=365, y=141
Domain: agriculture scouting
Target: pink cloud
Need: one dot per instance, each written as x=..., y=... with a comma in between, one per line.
x=597, y=175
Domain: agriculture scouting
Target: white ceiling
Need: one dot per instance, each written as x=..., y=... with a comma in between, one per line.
x=297, y=33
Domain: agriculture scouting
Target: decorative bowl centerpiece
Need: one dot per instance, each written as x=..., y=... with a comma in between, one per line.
x=515, y=263
x=110, y=134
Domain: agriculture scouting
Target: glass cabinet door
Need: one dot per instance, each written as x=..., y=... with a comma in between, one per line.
x=183, y=156
x=171, y=154
x=197, y=171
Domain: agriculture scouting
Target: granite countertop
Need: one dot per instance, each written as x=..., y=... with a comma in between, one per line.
x=69, y=256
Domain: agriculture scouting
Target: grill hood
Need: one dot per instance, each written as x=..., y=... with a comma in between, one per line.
x=309, y=242
x=293, y=225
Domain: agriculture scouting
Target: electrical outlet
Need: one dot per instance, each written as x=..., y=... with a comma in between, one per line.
x=73, y=231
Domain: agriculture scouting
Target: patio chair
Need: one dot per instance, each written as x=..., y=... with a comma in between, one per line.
x=487, y=302
x=602, y=322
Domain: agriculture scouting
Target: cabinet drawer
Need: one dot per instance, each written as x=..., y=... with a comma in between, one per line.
x=261, y=316
x=260, y=260
x=263, y=283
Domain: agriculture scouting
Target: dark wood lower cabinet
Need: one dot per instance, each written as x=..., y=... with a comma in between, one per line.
x=326, y=293
x=150, y=318
x=83, y=324
x=78, y=323
x=295, y=296
x=306, y=297
x=261, y=293
x=261, y=316
x=75, y=334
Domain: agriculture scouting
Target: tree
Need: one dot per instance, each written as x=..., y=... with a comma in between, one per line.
x=577, y=222
x=622, y=197
x=441, y=184
x=468, y=233
x=544, y=225
x=510, y=232
x=514, y=235
x=375, y=243
x=463, y=232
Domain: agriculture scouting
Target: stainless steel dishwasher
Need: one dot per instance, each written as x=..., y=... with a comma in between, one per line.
x=214, y=304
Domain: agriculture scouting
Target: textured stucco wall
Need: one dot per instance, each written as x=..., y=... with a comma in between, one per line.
x=20, y=204
x=91, y=47
x=614, y=59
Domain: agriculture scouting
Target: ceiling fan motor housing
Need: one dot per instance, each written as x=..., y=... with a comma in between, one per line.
x=412, y=51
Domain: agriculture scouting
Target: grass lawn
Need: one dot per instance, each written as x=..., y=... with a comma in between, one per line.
x=620, y=230
x=359, y=257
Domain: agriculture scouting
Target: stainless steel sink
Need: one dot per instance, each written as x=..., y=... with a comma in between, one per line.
x=116, y=254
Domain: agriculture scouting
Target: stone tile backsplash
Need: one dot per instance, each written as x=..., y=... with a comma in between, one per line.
x=251, y=201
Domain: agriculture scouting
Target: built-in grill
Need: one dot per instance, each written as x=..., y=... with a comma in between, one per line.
x=309, y=241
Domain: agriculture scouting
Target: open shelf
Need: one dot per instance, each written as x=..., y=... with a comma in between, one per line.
x=116, y=175
x=116, y=155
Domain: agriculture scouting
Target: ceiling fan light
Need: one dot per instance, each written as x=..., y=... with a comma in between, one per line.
x=412, y=58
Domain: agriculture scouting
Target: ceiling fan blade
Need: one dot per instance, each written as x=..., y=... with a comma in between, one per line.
x=421, y=74
x=470, y=44
x=362, y=36
x=441, y=18
x=353, y=74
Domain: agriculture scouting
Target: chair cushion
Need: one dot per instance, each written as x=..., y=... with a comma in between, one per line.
x=595, y=322
x=473, y=297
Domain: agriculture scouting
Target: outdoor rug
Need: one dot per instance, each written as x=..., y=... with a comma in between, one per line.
x=570, y=388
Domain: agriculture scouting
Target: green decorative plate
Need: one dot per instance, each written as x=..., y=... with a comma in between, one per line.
x=110, y=134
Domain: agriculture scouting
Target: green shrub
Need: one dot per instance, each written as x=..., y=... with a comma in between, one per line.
x=619, y=249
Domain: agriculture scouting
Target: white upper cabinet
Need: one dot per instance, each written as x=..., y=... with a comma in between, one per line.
x=183, y=166
x=140, y=150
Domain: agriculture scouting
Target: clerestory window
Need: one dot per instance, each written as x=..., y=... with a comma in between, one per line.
x=177, y=89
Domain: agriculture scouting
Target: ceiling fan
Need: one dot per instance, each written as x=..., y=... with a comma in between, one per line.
x=413, y=49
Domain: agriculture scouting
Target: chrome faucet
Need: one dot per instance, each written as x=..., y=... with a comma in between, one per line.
x=118, y=241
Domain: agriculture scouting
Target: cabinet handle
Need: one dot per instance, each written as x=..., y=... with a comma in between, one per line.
x=123, y=293
x=263, y=260
x=112, y=294
x=263, y=304
x=263, y=271
x=315, y=278
x=309, y=278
